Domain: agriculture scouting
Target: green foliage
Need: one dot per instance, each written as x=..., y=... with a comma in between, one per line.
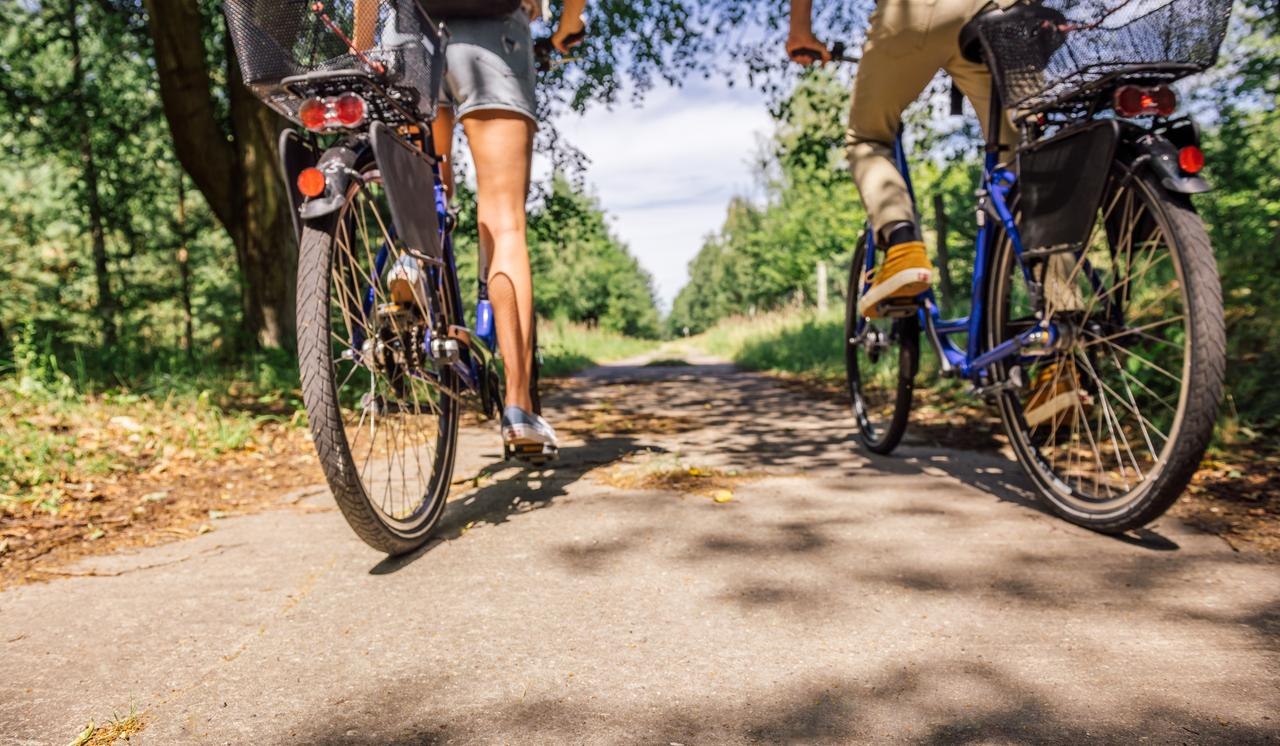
x=582, y=272
x=568, y=347
x=765, y=255
x=806, y=344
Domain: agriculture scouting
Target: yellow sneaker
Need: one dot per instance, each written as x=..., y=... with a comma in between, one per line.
x=1055, y=396
x=904, y=273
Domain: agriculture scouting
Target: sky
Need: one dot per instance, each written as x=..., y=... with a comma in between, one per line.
x=665, y=171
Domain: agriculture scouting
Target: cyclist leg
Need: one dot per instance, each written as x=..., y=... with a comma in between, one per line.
x=897, y=63
x=501, y=146
x=442, y=140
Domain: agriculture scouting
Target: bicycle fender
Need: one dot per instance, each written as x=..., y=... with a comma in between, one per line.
x=296, y=154
x=338, y=164
x=1161, y=157
x=409, y=177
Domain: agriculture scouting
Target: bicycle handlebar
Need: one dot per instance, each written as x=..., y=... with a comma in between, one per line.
x=837, y=53
x=544, y=52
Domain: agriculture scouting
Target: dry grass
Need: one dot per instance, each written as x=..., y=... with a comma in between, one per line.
x=118, y=729
x=667, y=472
x=92, y=475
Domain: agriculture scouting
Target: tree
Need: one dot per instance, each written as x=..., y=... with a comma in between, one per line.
x=232, y=162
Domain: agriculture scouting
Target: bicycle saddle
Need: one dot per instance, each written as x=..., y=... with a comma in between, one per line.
x=1039, y=25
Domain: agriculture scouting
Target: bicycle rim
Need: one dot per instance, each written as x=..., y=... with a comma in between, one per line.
x=398, y=408
x=1125, y=305
x=880, y=363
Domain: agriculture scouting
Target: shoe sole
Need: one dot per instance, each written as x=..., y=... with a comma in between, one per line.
x=1051, y=409
x=401, y=291
x=906, y=284
x=516, y=436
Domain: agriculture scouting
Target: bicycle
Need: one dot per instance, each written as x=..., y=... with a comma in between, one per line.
x=1094, y=284
x=387, y=361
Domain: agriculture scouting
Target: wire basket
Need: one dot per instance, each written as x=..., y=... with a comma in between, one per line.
x=1043, y=54
x=387, y=50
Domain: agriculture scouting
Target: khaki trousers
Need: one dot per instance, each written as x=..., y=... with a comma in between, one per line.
x=907, y=43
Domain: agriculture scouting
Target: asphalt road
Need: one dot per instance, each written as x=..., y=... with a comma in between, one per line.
x=836, y=597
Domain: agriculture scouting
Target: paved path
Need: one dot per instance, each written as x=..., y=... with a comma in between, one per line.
x=836, y=598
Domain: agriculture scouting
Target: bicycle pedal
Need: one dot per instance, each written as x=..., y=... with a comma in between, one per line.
x=897, y=308
x=535, y=454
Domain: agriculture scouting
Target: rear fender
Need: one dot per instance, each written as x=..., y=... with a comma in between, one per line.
x=1158, y=152
x=338, y=165
x=296, y=155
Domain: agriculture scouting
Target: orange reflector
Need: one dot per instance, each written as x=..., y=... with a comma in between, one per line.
x=311, y=182
x=1191, y=159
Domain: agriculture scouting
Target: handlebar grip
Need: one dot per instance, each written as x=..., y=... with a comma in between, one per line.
x=807, y=56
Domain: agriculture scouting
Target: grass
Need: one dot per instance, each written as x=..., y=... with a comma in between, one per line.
x=804, y=343
x=568, y=347
x=62, y=428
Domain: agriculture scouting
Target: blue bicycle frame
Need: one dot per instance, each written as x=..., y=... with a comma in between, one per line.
x=469, y=368
x=974, y=361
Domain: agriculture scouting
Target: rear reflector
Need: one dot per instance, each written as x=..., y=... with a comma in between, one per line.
x=1190, y=159
x=312, y=114
x=1134, y=101
x=311, y=182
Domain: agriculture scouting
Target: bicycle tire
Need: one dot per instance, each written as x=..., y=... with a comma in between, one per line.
x=1204, y=362
x=320, y=389
x=879, y=437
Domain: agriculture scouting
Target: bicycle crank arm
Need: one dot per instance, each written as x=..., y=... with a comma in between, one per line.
x=1044, y=337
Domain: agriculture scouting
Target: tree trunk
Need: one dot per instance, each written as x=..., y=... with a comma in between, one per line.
x=237, y=176
x=266, y=245
x=106, y=303
x=184, y=270
x=944, y=252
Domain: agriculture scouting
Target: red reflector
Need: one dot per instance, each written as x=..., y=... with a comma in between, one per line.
x=1128, y=101
x=1191, y=159
x=1133, y=101
x=311, y=182
x=349, y=109
x=312, y=114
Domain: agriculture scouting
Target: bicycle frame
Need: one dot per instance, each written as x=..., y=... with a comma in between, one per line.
x=974, y=361
x=472, y=358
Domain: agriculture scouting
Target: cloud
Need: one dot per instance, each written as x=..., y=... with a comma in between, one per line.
x=665, y=171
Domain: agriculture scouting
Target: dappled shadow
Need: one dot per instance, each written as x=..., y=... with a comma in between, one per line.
x=917, y=700
x=529, y=490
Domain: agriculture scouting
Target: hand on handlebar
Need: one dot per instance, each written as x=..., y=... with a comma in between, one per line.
x=563, y=39
x=806, y=49
x=544, y=50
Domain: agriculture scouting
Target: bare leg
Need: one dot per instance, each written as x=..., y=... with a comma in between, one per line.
x=502, y=148
x=442, y=140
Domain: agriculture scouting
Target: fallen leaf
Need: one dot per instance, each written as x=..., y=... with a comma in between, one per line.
x=204, y=528
x=722, y=496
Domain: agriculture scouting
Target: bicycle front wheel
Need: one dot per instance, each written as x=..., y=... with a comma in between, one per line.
x=1118, y=416
x=383, y=413
x=881, y=358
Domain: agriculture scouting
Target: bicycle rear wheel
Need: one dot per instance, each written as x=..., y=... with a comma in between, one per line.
x=881, y=358
x=383, y=414
x=1139, y=374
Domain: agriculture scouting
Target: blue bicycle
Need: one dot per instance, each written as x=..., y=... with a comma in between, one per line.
x=387, y=362
x=1096, y=324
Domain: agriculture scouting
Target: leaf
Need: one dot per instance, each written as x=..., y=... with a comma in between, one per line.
x=84, y=736
x=722, y=496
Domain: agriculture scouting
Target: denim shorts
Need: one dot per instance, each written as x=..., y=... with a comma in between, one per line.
x=489, y=65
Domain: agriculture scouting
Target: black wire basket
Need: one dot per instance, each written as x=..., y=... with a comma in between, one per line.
x=1046, y=54
x=389, y=51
